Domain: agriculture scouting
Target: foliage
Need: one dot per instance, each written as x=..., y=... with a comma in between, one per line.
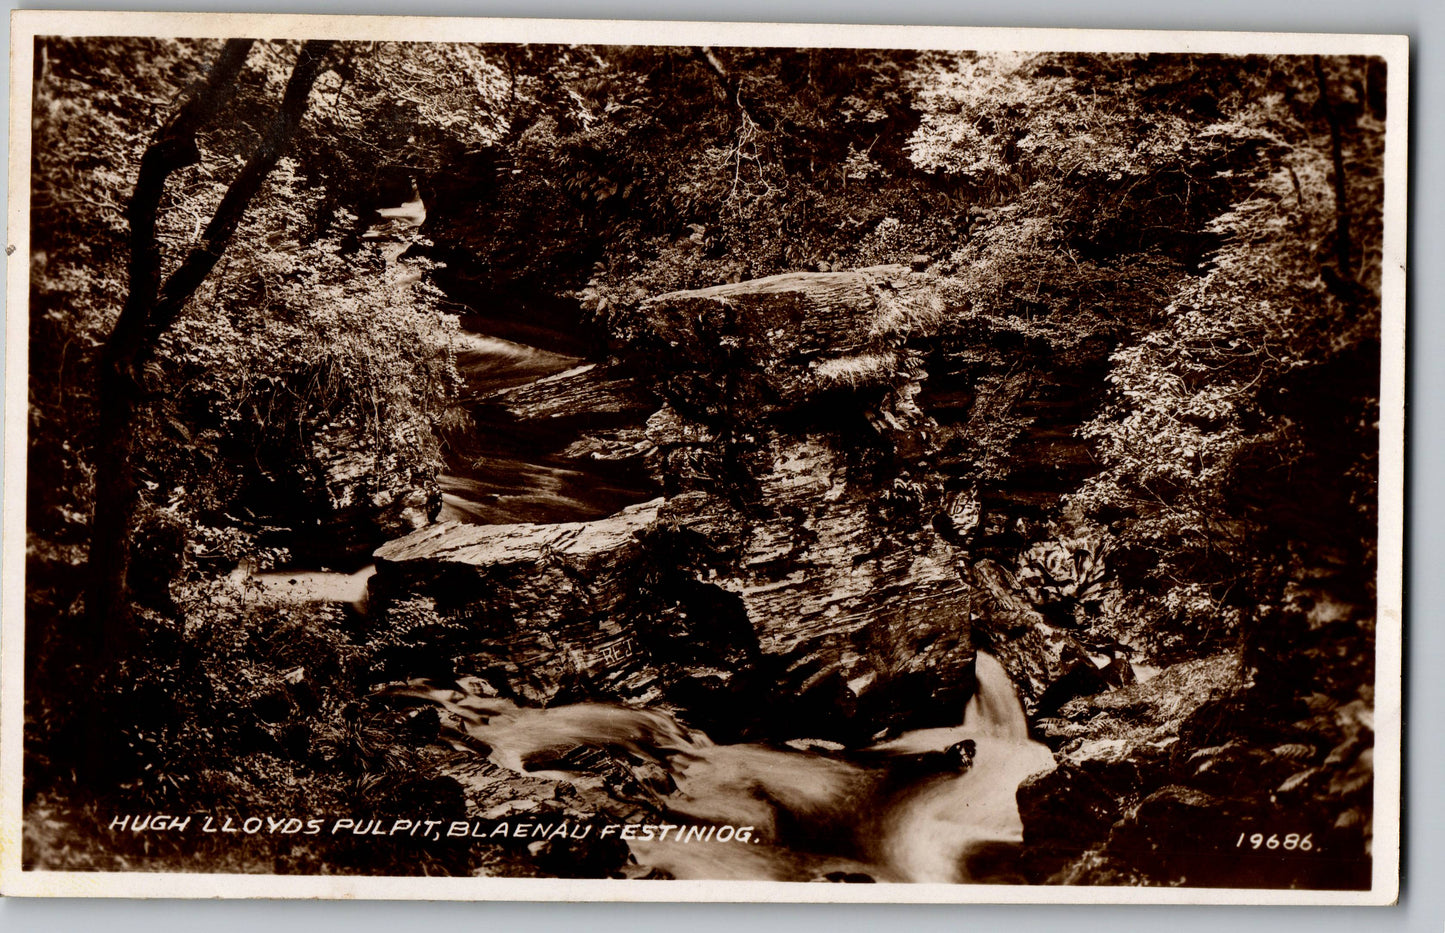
x=299, y=350
x=95, y=105
x=1229, y=241
x=1213, y=455
x=308, y=352
x=634, y=171
x=1197, y=239
x=295, y=332
x=1066, y=568
x=242, y=707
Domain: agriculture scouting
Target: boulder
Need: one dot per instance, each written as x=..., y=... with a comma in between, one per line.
x=1114, y=749
x=349, y=497
x=774, y=344
x=1066, y=809
x=548, y=605
x=583, y=391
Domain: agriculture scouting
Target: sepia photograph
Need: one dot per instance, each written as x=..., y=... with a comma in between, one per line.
x=518, y=460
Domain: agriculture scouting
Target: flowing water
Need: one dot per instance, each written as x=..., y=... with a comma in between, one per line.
x=903, y=810
x=498, y=471
x=501, y=471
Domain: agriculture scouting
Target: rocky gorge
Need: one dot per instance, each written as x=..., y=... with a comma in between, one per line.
x=791, y=513
x=805, y=556
x=951, y=467
x=848, y=495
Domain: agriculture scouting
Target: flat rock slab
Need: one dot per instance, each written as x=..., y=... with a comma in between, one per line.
x=500, y=545
x=545, y=605
x=587, y=390
x=777, y=342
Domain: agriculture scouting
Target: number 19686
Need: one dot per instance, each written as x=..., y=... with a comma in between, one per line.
x=1292, y=842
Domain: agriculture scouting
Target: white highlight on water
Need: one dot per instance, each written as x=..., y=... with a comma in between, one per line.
x=877, y=812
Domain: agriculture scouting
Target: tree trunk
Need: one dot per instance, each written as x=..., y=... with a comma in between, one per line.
x=174, y=147
x=151, y=308
x=1343, y=247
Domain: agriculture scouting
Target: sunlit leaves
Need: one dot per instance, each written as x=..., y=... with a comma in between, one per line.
x=1208, y=421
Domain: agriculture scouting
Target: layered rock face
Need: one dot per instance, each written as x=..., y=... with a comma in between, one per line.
x=797, y=460
x=794, y=570
x=352, y=507
x=550, y=604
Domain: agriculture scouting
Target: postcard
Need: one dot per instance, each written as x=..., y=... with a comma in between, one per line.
x=547, y=460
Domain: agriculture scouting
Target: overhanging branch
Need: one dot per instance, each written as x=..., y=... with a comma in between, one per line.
x=173, y=148
x=198, y=264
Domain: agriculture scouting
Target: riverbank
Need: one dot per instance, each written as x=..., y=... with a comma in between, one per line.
x=759, y=590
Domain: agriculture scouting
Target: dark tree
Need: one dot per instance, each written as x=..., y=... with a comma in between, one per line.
x=152, y=305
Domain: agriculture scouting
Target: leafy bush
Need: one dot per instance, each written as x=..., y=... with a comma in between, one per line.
x=239, y=707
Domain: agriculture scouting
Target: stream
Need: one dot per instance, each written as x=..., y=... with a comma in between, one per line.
x=902, y=810
x=911, y=809
x=905, y=810
x=500, y=471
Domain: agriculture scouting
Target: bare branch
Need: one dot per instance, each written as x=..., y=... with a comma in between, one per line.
x=173, y=148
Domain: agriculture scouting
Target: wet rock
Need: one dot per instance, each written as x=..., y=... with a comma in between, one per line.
x=1062, y=811
x=581, y=545
x=822, y=746
x=623, y=443
x=1048, y=664
x=547, y=605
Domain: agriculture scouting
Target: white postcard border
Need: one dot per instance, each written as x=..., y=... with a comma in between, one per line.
x=27, y=25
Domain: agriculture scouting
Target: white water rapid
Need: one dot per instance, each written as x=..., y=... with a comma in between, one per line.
x=902, y=810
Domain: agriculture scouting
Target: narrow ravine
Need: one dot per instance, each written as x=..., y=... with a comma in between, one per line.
x=497, y=470
x=928, y=805
x=504, y=471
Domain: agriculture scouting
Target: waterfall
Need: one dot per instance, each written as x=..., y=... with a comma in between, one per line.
x=995, y=709
x=966, y=827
